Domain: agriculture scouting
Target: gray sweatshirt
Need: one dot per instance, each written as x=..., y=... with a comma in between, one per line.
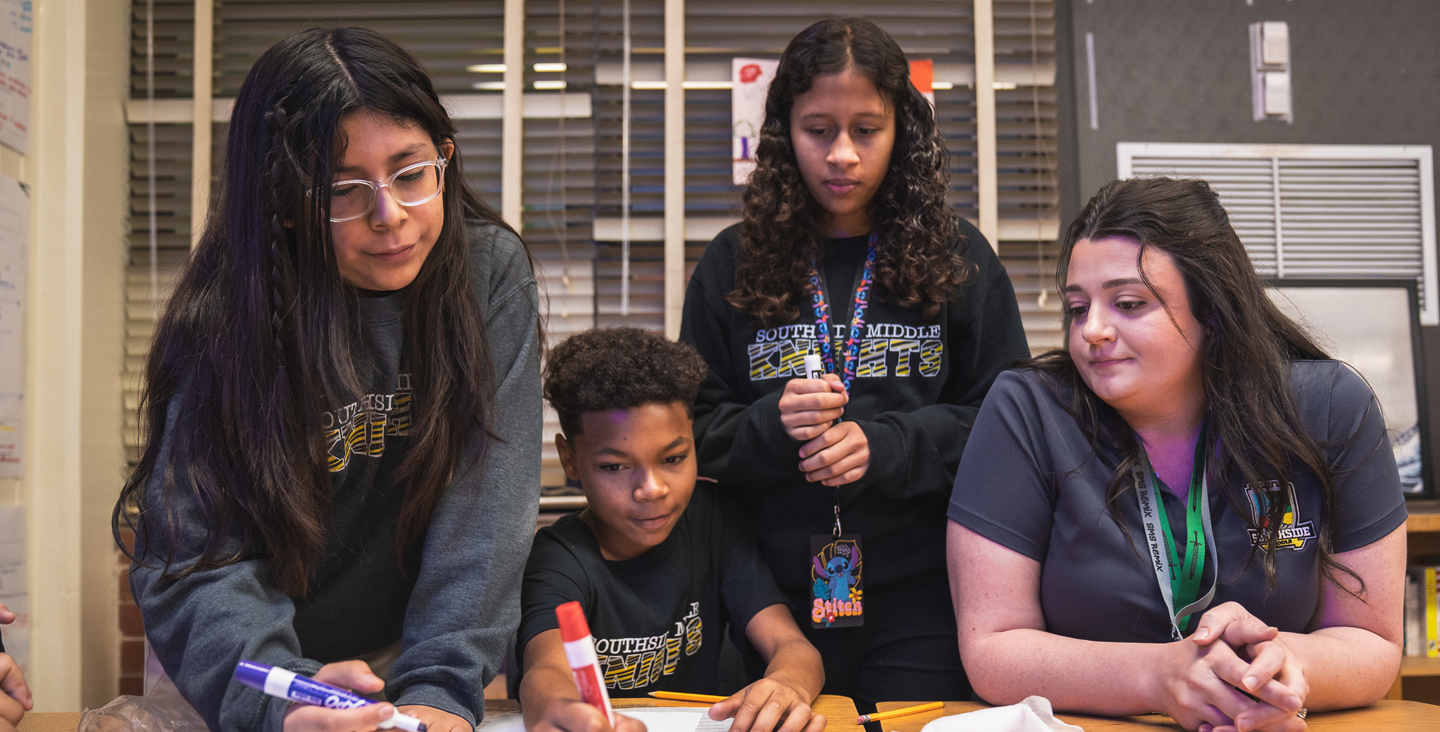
x=454, y=603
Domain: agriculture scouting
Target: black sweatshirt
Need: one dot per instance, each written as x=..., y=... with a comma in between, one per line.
x=918, y=388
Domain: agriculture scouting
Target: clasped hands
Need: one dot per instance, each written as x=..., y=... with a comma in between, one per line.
x=834, y=453
x=1201, y=683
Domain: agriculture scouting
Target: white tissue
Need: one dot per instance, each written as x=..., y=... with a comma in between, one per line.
x=1031, y=715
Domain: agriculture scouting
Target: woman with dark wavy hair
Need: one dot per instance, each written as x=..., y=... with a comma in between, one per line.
x=1190, y=508
x=342, y=405
x=849, y=257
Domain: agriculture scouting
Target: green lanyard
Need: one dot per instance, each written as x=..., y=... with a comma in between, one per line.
x=1179, y=578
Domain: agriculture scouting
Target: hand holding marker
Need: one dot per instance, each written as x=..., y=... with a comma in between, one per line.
x=584, y=664
x=815, y=369
x=286, y=684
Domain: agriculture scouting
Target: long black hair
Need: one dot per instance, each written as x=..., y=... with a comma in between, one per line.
x=1248, y=344
x=259, y=336
x=915, y=228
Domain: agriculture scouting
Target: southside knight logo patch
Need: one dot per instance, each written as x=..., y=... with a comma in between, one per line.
x=1292, y=532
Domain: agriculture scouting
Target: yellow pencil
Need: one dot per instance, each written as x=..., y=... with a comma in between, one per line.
x=899, y=712
x=681, y=696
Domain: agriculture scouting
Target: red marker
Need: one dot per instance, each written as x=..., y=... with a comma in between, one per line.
x=580, y=651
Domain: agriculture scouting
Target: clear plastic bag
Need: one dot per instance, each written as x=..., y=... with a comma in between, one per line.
x=162, y=713
x=162, y=709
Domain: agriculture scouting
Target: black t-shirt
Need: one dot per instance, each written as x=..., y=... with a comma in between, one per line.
x=1030, y=481
x=844, y=259
x=657, y=618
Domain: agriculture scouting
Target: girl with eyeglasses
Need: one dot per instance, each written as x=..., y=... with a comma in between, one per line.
x=849, y=254
x=342, y=406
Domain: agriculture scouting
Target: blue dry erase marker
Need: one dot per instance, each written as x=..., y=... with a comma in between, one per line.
x=305, y=690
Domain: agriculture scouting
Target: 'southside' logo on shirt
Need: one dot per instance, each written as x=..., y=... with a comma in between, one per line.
x=887, y=349
x=635, y=663
x=1292, y=533
x=360, y=428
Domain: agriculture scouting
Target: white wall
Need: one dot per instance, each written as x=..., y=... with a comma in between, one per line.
x=74, y=460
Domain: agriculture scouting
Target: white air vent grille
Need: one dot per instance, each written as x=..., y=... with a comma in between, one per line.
x=1317, y=211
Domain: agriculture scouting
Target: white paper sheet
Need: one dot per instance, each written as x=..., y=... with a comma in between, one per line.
x=502, y=722
x=751, y=80
x=16, y=26
x=676, y=719
x=14, y=590
x=14, y=224
x=1032, y=714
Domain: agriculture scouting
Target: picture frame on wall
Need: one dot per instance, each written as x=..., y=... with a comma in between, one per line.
x=1374, y=325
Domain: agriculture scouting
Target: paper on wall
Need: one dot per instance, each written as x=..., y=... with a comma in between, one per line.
x=750, y=80
x=16, y=32
x=922, y=75
x=14, y=220
x=14, y=589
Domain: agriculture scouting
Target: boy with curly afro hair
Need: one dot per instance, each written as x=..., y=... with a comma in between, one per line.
x=659, y=565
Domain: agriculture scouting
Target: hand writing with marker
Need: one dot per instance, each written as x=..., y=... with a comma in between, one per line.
x=437, y=720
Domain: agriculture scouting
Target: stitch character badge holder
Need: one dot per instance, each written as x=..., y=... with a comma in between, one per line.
x=837, y=586
x=835, y=570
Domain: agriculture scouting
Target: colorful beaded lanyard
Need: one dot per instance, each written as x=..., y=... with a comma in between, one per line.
x=857, y=319
x=839, y=605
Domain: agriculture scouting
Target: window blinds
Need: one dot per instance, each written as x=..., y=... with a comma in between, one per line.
x=572, y=165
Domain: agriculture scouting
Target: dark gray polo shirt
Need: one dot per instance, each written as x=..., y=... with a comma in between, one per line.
x=1030, y=481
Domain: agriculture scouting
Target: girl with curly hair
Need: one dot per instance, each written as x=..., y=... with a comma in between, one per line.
x=342, y=406
x=848, y=254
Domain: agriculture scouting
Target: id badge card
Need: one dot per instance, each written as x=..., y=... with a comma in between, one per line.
x=836, y=581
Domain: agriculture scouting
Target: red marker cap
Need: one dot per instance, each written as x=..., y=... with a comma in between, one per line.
x=572, y=621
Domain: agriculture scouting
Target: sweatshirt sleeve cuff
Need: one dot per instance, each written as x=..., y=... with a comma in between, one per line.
x=275, y=707
x=887, y=455
x=432, y=695
x=765, y=415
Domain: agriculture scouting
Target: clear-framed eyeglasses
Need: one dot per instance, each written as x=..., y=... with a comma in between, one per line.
x=411, y=185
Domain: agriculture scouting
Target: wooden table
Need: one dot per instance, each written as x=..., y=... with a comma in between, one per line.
x=52, y=722
x=1384, y=716
x=839, y=711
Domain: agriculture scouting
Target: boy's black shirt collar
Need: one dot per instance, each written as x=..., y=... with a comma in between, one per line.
x=645, y=560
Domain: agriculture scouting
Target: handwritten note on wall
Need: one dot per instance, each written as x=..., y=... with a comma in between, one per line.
x=14, y=224
x=16, y=24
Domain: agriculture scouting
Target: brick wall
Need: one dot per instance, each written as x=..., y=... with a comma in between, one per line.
x=132, y=628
